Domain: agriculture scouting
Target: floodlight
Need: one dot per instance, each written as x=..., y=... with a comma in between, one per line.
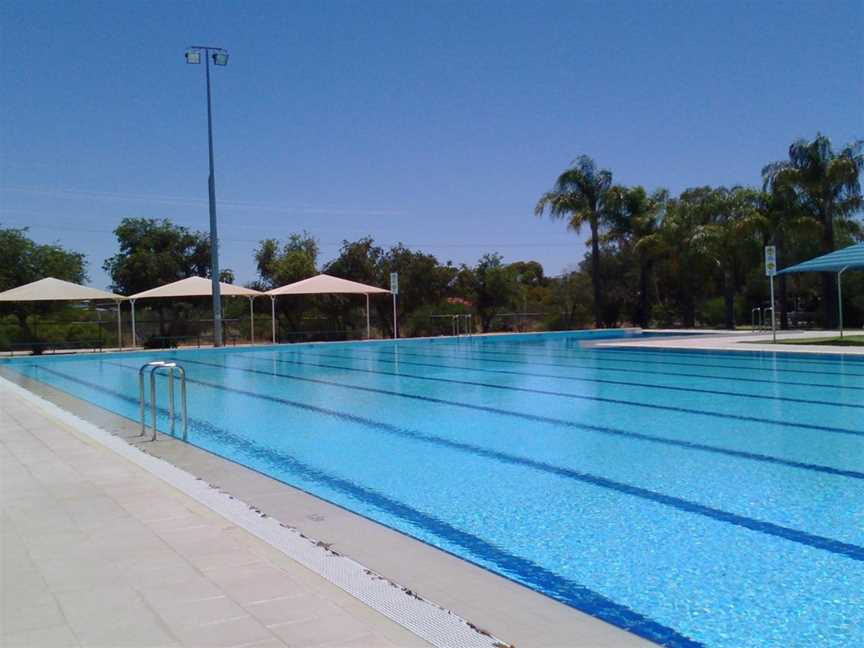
x=220, y=58
x=193, y=57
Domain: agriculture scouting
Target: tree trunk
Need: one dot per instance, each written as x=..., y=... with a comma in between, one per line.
x=728, y=299
x=595, y=273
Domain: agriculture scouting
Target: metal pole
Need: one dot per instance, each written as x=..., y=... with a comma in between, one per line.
x=214, y=237
x=251, y=320
x=119, y=328
x=134, y=335
x=273, y=317
x=395, y=333
x=840, y=298
x=773, y=324
x=368, y=328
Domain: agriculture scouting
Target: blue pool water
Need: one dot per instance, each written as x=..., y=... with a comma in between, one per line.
x=694, y=498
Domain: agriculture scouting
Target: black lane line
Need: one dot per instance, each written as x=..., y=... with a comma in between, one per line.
x=529, y=572
x=689, y=445
x=624, y=383
x=802, y=537
x=592, y=367
x=536, y=417
x=648, y=362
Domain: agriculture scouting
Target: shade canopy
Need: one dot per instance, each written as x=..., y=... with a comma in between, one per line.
x=837, y=261
x=325, y=284
x=195, y=287
x=51, y=289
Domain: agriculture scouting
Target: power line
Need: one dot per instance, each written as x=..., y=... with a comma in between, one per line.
x=325, y=244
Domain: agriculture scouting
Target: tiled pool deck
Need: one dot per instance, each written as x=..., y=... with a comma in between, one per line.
x=98, y=551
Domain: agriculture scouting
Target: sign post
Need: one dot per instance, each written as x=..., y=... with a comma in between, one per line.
x=394, y=289
x=770, y=271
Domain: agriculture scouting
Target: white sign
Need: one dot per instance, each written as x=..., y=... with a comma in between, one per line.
x=770, y=260
x=394, y=283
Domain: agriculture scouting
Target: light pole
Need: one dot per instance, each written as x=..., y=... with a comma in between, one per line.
x=220, y=57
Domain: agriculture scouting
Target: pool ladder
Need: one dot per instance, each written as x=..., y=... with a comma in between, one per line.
x=170, y=368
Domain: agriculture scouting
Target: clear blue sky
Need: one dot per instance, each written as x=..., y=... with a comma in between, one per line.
x=437, y=124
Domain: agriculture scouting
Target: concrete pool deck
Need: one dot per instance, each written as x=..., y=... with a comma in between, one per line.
x=130, y=553
x=737, y=341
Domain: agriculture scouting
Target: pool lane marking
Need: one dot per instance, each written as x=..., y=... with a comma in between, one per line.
x=687, y=445
x=824, y=543
x=648, y=362
x=604, y=381
x=525, y=415
x=376, y=354
x=530, y=573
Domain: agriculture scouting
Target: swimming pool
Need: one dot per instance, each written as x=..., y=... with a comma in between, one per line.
x=691, y=497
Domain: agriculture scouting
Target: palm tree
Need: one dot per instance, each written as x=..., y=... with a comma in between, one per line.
x=579, y=195
x=827, y=185
x=634, y=219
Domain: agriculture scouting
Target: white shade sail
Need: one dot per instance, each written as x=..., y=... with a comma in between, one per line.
x=51, y=289
x=195, y=287
x=325, y=284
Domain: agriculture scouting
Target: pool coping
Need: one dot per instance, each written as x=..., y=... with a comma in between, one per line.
x=735, y=342
x=493, y=605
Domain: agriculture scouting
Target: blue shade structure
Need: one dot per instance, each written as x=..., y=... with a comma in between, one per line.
x=849, y=258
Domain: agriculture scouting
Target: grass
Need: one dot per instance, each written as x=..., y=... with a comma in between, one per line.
x=846, y=340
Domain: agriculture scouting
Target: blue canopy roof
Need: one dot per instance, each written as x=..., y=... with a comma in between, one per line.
x=837, y=261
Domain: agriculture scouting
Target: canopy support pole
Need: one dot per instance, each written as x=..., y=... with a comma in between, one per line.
x=368, y=328
x=119, y=327
x=251, y=320
x=840, y=298
x=134, y=335
x=273, y=317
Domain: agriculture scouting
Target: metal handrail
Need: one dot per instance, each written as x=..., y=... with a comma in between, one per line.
x=171, y=367
x=456, y=322
x=756, y=319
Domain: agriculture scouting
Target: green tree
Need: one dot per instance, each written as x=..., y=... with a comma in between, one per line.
x=730, y=221
x=579, y=196
x=572, y=295
x=358, y=260
x=634, y=217
x=25, y=261
x=784, y=224
x=155, y=252
x=491, y=285
x=683, y=265
x=295, y=260
x=423, y=281
x=827, y=185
